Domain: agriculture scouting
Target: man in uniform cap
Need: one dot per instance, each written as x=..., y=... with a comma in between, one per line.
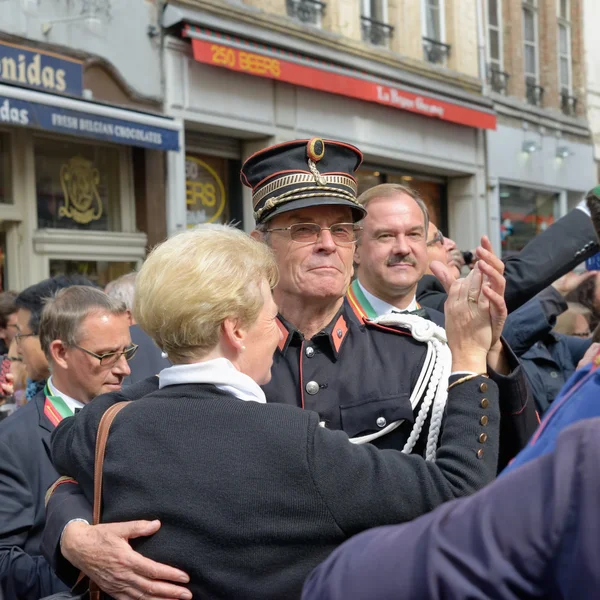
x=374, y=380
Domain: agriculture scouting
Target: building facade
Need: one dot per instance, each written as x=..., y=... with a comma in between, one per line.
x=82, y=140
x=591, y=11
x=400, y=79
x=541, y=155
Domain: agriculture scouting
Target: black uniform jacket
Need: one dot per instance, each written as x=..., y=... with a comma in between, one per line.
x=26, y=472
x=252, y=496
x=556, y=251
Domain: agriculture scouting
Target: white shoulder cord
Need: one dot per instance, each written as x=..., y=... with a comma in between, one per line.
x=433, y=378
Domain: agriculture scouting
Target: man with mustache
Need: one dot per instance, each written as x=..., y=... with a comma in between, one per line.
x=392, y=256
x=359, y=376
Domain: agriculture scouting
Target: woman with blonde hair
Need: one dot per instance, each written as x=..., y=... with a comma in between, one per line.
x=250, y=496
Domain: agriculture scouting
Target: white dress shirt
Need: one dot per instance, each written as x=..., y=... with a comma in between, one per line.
x=70, y=402
x=381, y=307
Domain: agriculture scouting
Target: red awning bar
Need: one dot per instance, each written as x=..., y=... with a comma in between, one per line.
x=244, y=56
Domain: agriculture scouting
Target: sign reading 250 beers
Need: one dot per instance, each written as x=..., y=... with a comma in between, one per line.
x=40, y=70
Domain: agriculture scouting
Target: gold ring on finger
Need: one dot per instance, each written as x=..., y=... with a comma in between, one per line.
x=471, y=299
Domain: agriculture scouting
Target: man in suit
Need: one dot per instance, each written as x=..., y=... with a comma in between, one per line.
x=550, y=255
x=82, y=337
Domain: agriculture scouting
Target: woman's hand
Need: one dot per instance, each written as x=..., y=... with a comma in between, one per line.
x=7, y=389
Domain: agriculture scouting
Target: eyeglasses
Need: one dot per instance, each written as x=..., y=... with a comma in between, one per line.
x=437, y=238
x=20, y=336
x=583, y=334
x=14, y=358
x=111, y=358
x=343, y=234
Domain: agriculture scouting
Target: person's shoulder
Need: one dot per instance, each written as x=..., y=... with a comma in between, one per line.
x=24, y=419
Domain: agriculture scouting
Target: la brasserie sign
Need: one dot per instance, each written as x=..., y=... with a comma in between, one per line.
x=41, y=70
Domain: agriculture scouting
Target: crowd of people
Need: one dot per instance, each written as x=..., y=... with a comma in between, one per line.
x=341, y=405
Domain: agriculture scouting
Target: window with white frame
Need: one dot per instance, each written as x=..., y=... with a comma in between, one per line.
x=531, y=52
x=434, y=31
x=433, y=22
x=497, y=78
x=564, y=47
x=374, y=20
x=494, y=23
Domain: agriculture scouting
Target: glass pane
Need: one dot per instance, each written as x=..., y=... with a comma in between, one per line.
x=528, y=25
x=563, y=40
x=564, y=72
x=77, y=185
x=494, y=44
x=98, y=272
x=206, y=180
x=564, y=9
x=367, y=179
x=493, y=12
x=377, y=10
x=5, y=192
x=431, y=193
x=433, y=23
x=525, y=213
x=530, y=64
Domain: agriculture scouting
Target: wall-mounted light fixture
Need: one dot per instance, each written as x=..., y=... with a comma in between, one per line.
x=563, y=152
x=529, y=146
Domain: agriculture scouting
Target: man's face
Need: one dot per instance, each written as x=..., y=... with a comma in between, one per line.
x=320, y=270
x=392, y=255
x=30, y=349
x=99, y=333
x=440, y=248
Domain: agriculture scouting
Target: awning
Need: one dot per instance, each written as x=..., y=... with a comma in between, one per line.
x=29, y=108
x=248, y=57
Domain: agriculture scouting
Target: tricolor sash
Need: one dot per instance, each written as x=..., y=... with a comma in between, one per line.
x=361, y=306
x=55, y=408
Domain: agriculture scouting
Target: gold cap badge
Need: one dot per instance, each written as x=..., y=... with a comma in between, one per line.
x=315, y=149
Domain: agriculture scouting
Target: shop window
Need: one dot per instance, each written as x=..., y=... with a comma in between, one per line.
x=98, y=272
x=206, y=188
x=524, y=214
x=77, y=185
x=433, y=193
x=5, y=192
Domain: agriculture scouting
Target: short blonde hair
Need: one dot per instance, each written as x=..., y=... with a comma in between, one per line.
x=192, y=282
x=387, y=190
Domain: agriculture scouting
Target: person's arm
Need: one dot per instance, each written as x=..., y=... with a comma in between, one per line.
x=548, y=256
x=22, y=575
x=577, y=346
x=514, y=539
x=364, y=487
x=518, y=416
x=103, y=552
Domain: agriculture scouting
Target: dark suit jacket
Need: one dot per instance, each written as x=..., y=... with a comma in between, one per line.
x=531, y=534
x=26, y=472
x=148, y=360
x=550, y=255
x=252, y=496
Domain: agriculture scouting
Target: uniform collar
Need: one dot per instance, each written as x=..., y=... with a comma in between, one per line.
x=333, y=336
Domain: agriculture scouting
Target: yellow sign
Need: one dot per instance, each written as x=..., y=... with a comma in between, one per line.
x=79, y=180
x=204, y=191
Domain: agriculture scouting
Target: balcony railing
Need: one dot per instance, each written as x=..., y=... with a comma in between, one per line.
x=376, y=32
x=498, y=79
x=568, y=103
x=435, y=51
x=307, y=11
x=534, y=92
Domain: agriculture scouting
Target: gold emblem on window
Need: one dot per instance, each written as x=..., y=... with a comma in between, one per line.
x=79, y=180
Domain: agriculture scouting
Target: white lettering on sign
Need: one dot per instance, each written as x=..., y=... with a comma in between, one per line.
x=11, y=114
x=394, y=97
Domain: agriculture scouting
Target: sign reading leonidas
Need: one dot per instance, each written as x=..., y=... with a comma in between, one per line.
x=40, y=70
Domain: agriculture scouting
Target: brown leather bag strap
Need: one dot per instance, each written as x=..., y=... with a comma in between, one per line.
x=101, y=438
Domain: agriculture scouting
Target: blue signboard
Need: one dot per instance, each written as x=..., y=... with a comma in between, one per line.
x=593, y=263
x=46, y=71
x=60, y=120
